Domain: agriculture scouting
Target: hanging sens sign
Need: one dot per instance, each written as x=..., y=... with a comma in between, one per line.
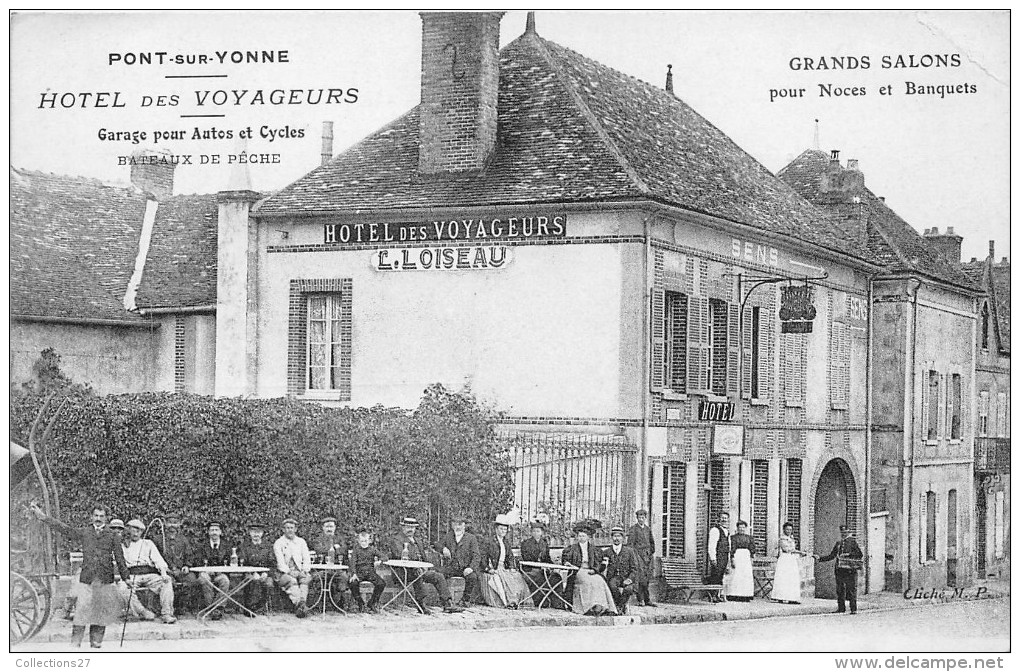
x=796, y=309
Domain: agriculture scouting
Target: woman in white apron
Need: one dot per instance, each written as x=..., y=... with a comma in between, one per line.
x=786, y=584
x=741, y=587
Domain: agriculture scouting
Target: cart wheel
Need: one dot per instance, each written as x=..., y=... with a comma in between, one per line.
x=25, y=608
x=43, y=585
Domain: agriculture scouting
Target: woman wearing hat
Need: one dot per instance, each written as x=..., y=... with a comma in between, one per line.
x=586, y=589
x=503, y=585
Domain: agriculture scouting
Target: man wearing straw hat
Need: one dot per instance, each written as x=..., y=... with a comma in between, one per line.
x=148, y=571
x=406, y=547
x=623, y=569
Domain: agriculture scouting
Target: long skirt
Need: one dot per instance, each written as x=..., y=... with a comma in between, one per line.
x=98, y=604
x=503, y=588
x=786, y=584
x=591, y=590
x=742, y=581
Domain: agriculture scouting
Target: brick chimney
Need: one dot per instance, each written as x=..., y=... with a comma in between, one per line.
x=947, y=243
x=459, y=89
x=152, y=171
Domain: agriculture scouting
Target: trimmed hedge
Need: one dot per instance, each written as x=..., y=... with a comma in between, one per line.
x=238, y=460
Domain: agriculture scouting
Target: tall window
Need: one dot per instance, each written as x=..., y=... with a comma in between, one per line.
x=933, y=405
x=839, y=383
x=1000, y=414
x=755, y=351
x=955, y=406
x=718, y=345
x=984, y=326
x=983, y=413
x=675, y=360
x=929, y=547
x=325, y=363
x=1000, y=524
x=951, y=525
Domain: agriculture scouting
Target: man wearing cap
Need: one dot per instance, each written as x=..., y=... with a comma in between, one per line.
x=294, y=566
x=148, y=571
x=364, y=559
x=406, y=547
x=623, y=569
x=256, y=552
x=214, y=552
x=849, y=559
x=536, y=549
x=640, y=538
x=463, y=558
x=177, y=553
x=330, y=544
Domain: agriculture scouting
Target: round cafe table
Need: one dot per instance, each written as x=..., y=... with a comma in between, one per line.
x=248, y=575
x=326, y=572
x=403, y=576
x=546, y=587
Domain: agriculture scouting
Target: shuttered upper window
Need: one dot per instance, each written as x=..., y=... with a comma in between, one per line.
x=675, y=342
x=718, y=345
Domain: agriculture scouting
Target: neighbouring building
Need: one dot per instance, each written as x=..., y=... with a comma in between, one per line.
x=991, y=443
x=922, y=379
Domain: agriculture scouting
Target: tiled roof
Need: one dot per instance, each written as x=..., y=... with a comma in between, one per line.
x=994, y=279
x=73, y=246
x=180, y=268
x=570, y=129
x=889, y=238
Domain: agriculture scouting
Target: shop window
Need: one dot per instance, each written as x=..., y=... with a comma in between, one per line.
x=932, y=406
x=718, y=345
x=955, y=412
x=675, y=359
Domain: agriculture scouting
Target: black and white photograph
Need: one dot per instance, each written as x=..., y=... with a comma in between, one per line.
x=510, y=331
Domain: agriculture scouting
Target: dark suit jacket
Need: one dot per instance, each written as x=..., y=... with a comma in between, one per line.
x=256, y=556
x=100, y=550
x=490, y=554
x=626, y=565
x=535, y=551
x=321, y=547
x=846, y=547
x=203, y=555
x=572, y=556
x=641, y=540
x=177, y=552
x=467, y=553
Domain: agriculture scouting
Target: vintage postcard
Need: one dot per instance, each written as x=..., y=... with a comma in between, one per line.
x=511, y=331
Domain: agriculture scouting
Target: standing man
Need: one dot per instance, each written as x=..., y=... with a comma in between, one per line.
x=464, y=558
x=294, y=564
x=149, y=571
x=719, y=552
x=849, y=559
x=99, y=603
x=536, y=549
x=256, y=552
x=406, y=547
x=214, y=552
x=623, y=570
x=640, y=538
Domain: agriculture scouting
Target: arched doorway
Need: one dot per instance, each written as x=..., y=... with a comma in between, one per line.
x=835, y=505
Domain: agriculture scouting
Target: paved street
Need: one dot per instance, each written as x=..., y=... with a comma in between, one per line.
x=956, y=626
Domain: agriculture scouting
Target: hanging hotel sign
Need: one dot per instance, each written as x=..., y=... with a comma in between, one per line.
x=468, y=258
x=728, y=440
x=796, y=309
x=716, y=411
x=478, y=230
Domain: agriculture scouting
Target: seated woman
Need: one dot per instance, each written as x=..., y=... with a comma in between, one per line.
x=502, y=584
x=587, y=590
x=741, y=587
x=786, y=584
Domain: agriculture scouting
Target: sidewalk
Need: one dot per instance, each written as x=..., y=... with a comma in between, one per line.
x=485, y=618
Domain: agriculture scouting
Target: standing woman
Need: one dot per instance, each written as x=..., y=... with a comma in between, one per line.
x=786, y=585
x=99, y=603
x=587, y=590
x=742, y=582
x=502, y=584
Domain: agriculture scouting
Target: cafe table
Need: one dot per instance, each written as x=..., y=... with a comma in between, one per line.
x=247, y=574
x=406, y=586
x=546, y=587
x=325, y=573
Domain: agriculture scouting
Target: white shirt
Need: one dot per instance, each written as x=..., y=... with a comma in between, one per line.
x=502, y=553
x=584, y=554
x=144, y=552
x=713, y=540
x=617, y=549
x=292, y=554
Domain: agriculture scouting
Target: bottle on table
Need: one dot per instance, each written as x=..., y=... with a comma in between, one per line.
x=405, y=554
x=233, y=557
x=331, y=556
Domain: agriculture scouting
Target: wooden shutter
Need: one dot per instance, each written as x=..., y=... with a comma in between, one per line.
x=747, y=340
x=732, y=347
x=697, y=344
x=922, y=518
x=658, y=327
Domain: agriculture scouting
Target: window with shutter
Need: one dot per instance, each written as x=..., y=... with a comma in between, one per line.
x=955, y=413
x=1000, y=414
x=839, y=385
x=732, y=349
x=675, y=341
x=929, y=518
x=932, y=407
x=794, y=351
x=697, y=344
x=657, y=329
x=718, y=346
x=983, y=413
x=752, y=353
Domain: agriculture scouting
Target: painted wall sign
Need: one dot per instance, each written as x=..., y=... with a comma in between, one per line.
x=480, y=230
x=716, y=411
x=473, y=258
x=796, y=309
x=745, y=250
x=728, y=440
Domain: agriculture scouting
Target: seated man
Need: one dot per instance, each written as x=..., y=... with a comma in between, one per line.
x=365, y=558
x=406, y=547
x=623, y=570
x=148, y=572
x=536, y=549
x=293, y=566
x=464, y=558
x=255, y=552
x=177, y=553
x=214, y=552
x=329, y=545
